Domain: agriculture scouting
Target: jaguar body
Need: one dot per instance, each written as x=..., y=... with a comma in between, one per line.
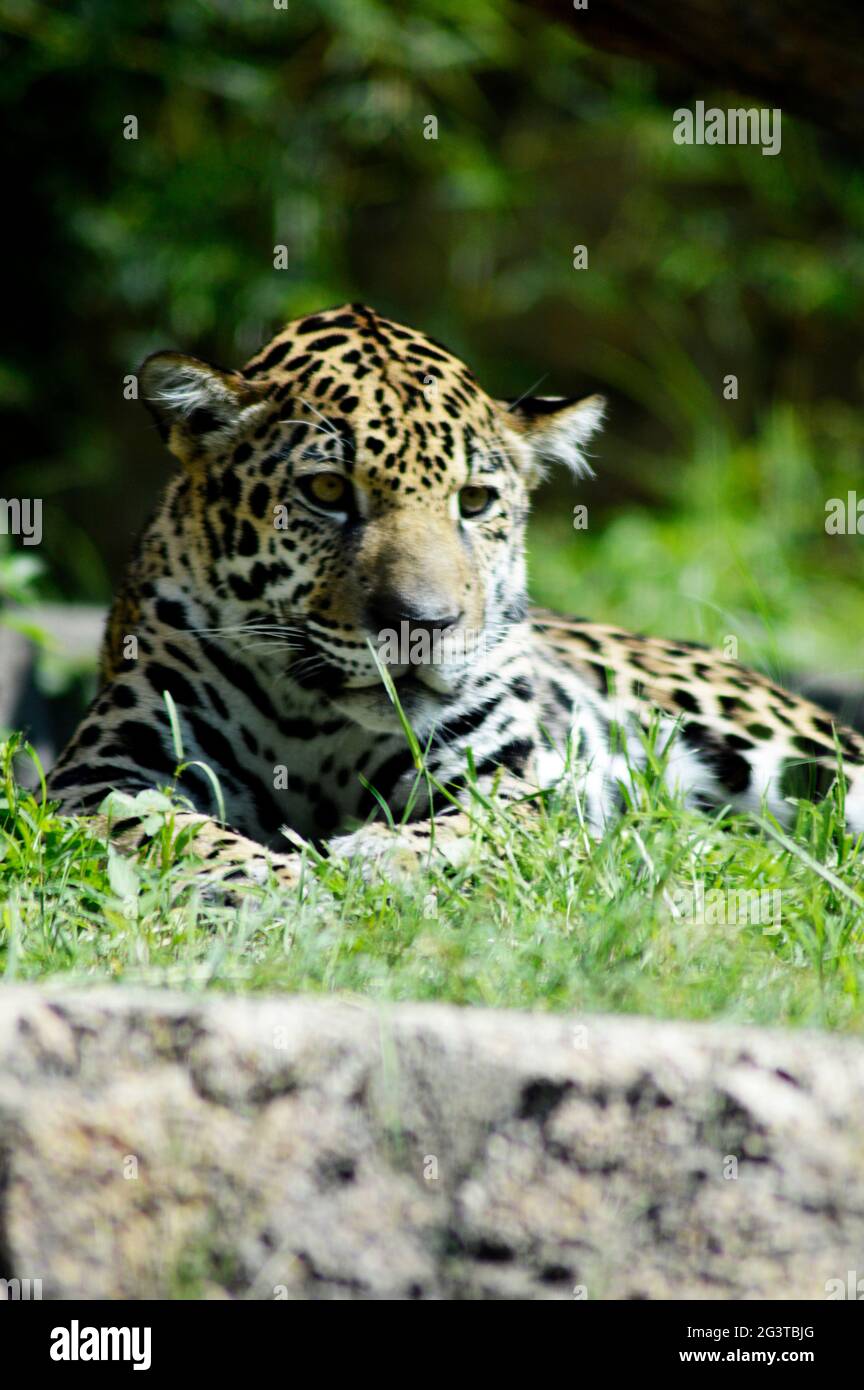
x=352, y=502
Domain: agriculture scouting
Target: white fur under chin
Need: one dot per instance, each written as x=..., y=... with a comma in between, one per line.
x=372, y=709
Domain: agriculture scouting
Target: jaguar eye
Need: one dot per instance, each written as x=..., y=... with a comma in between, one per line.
x=474, y=501
x=329, y=491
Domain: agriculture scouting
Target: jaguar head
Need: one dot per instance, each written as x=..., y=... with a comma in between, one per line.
x=359, y=493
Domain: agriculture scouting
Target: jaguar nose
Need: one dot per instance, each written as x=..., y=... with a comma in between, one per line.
x=383, y=615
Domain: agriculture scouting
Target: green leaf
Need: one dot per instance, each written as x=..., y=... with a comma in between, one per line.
x=122, y=876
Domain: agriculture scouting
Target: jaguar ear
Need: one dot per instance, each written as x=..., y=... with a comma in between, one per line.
x=557, y=428
x=198, y=408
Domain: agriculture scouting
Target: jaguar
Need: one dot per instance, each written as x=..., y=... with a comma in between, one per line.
x=329, y=608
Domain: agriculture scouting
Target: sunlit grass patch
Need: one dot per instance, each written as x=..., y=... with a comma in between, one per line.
x=559, y=920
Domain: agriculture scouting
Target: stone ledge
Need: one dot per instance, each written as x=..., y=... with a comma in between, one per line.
x=155, y=1145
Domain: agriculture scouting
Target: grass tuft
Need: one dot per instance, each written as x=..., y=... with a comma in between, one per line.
x=540, y=916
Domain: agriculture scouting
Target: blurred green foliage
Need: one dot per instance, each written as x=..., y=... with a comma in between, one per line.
x=304, y=126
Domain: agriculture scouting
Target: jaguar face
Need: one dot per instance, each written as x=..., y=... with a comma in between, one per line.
x=359, y=501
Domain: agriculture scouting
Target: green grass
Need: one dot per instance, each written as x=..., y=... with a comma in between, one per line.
x=540, y=917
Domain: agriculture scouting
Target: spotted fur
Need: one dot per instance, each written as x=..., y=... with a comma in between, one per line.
x=254, y=603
